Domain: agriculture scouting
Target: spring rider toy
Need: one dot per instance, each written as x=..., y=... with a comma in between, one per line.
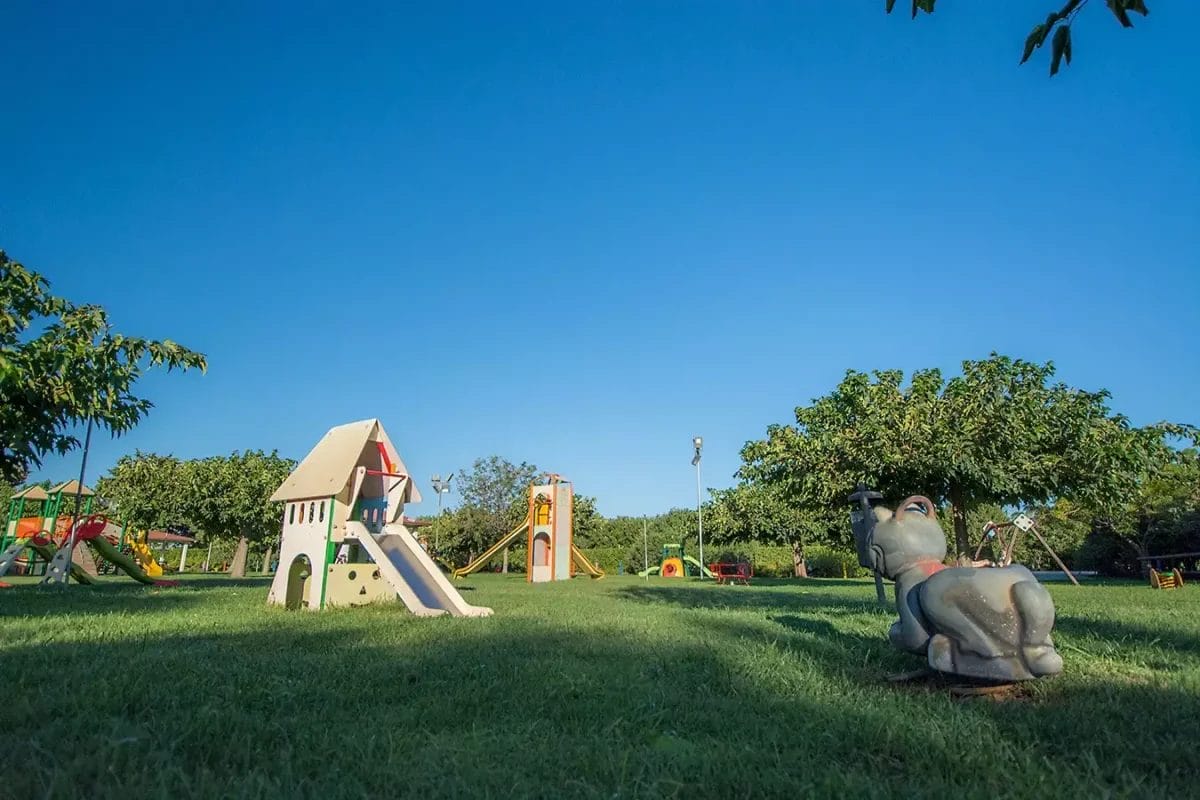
x=985, y=623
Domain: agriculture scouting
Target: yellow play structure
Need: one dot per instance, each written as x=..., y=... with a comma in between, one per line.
x=551, y=554
x=144, y=555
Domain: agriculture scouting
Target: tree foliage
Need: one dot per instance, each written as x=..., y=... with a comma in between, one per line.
x=762, y=512
x=223, y=498
x=1058, y=22
x=495, y=493
x=62, y=365
x=998, y=433
x=146, y=491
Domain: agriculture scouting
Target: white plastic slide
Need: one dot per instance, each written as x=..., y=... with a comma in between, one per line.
x=405, y=565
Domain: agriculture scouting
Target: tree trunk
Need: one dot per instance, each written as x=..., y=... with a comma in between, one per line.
x=238, y=568
x=266, y=567
x=958, y=512
x=504, y=569
x=799, y=567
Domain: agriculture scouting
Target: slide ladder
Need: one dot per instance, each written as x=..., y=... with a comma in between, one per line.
x=585, y=564
x=410, y=571
x=505, y=541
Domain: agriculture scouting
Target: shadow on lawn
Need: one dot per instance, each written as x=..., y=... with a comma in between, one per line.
x=805, y=597
x=125, y=597
x=458, y=707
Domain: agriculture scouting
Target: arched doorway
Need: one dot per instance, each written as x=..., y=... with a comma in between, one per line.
x=298, y=581
x=541, y=549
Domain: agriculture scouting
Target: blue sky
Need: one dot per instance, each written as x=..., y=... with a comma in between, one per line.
x=579, y=233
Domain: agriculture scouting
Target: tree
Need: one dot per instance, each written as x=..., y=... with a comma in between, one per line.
x=229, y=497
x=146, y=491
x=497, y=493
x=62, y=365
x=1156, y=513
x=761, y=512
x=1059, y=22
x=999, y=433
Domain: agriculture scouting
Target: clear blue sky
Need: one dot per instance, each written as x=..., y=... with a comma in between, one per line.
x=579, y=233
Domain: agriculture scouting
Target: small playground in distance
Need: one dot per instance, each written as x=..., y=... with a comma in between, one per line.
x=639, y=688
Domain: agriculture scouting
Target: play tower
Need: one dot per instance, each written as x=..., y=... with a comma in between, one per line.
x=549, y=555
x=344, y=540
x=552, y=554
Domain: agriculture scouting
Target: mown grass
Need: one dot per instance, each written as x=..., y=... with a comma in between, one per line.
x=616, y=688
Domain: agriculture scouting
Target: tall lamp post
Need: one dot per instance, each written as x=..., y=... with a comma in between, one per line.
x=63, y=577
x=698, y=445
x=441, y=487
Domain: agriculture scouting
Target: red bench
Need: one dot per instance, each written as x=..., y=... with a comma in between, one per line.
x=740, y=572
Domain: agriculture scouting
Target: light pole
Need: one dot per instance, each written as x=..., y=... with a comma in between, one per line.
x=441, y=487
x=64, y=577
x=698, y=444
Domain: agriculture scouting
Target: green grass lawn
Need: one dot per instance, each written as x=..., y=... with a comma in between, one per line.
x=614, y=688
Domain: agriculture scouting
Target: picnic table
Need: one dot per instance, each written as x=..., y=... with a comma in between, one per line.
x=739, y=572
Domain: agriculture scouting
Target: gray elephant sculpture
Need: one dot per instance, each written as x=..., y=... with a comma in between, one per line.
x=990, y=623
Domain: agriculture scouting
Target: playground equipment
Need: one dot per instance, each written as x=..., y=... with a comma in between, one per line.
x=675, y=563
x=551, y=554
x=95, y=530
x=1007, y=534
x=1166, y=580
x=991, y=623
x=731, y=572
x=34, y=510
x=144, y=555
x=344, y=540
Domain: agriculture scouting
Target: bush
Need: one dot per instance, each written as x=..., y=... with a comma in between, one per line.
x=828, y=562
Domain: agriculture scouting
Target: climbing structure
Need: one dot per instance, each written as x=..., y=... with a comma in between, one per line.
x=344, y=540
x=674, y=563
x=551, y=554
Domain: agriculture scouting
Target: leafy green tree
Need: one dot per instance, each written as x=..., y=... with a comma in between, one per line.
x=999, y=433
x=496, y=494
x=761, y=512
x=228, y=497
x=1057, y=22
x=1159, y=512
x=146, y=491
x=62, y=365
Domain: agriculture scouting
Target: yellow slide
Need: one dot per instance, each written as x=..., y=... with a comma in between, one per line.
x=492, y=551
x=145, y=559
x=584, y=564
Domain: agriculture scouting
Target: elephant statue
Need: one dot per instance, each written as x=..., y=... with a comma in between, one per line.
x=988, y=623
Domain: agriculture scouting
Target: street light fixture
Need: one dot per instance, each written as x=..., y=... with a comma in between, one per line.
x=441, y=487
x=698, y=445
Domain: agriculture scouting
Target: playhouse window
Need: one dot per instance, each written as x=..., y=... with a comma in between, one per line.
x=312, y=507
x=321, y=512
x=291, y=513
x=302, y=513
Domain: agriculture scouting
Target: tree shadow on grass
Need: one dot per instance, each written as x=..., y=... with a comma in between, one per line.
x=127, y=597
x=462, y=708
x=805, y=597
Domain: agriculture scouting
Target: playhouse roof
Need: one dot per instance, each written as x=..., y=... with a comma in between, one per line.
x=34, y=492
x=329, y=467
x=167, y=536
x=71, y=487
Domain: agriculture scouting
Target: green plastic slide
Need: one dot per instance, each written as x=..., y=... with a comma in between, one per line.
x=122, y=561
x=698, y=565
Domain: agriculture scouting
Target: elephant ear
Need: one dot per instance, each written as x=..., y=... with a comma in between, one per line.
x=882, y=514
